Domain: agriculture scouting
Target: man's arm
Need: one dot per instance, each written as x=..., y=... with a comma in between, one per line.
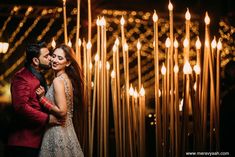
x=20, y=97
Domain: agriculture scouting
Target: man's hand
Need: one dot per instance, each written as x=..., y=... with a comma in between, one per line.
x=55, y=121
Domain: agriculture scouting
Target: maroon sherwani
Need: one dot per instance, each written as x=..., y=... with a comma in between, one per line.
x=30, y=119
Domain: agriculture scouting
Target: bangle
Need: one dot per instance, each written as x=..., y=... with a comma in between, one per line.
x=43, y=100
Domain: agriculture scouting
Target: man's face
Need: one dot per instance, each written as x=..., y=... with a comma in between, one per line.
x=44, y=59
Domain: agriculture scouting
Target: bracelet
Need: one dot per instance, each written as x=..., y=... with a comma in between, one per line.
x=46, y=103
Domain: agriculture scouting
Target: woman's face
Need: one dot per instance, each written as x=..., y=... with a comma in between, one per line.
x=59, y=62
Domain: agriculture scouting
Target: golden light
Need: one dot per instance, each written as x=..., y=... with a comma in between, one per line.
x=197, y=69
x=163, y=69
x=88, y=45
x=207, y=19
x=107, y=65
x=159, y=92
x=98, y=22
x=79, y=42
x=176, y=69
x=4, y=47
x=213, y=43
x=207, y=43
x=168, y=42
x=117, y=42
x=176, y=44
x=150, y=115
x=186, y=43
x=113, y=74
x=138, y=45
x=70, y=43
x=135, y=93
x=219, y=45
x=114, y=47
x=122, y=21
x=53, y=43
x=198, y=43
x=155, y=17
x=170, y=6
x=142, y=91
x=96, y=57
x=90, y=66
x=195, y=86
x=125, y=47
x=131, y=91
x=187, y=15
x=187, y=68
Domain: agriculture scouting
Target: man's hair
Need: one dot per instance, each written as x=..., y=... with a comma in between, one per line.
x=33, y=50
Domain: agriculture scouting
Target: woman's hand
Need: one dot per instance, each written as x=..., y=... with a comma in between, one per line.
x=40, y=91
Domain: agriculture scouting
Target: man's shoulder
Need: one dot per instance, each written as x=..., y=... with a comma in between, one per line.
x=24, y=74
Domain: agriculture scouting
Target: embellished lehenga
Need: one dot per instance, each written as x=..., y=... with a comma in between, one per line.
x=61, y=141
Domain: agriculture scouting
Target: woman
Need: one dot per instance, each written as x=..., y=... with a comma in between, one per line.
x=64, y=95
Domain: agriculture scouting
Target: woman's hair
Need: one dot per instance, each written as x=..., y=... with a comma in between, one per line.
x=76, y=76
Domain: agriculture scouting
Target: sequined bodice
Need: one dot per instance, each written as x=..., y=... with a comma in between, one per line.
x=69, y=97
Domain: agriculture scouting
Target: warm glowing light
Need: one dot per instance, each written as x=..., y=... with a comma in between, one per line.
x=90, y=66
x=170, y=6
x=197, y=69
x=135, y=93
x=155, y=17
x=150, y=115
x=70, y=43
x=198, y=43
x=4, y=47
x=117, y=42
x=114, y=48
x=187, y=15
x=142, y=91
x=79, y=42
x=213, y=43
x=138, y=45
x=186, y=43
x=176, y=68
x=195, y=86
x=168, y=42
x=112, y=74
x=181, y=104
x=187, y=68
x=219, y=45
x=107, y=65
x=122, y=21
x=131, y=91
x=98, y=22
x=207, y=19
x=92, y=84
x=53, y=43
x=96, y=57
x=207, y=43
x=125, y=46
x=159, y=92
x=163, y=69
x=176, y=44
x=102, y=21
x=88, y=45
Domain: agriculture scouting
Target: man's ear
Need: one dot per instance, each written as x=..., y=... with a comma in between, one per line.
x=35, y=61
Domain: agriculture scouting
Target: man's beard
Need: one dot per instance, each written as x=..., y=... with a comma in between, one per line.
x=44, y=66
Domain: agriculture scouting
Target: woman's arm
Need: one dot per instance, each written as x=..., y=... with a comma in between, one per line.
x=60, y=109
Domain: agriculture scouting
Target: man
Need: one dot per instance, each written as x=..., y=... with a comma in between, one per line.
x=25, y=139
